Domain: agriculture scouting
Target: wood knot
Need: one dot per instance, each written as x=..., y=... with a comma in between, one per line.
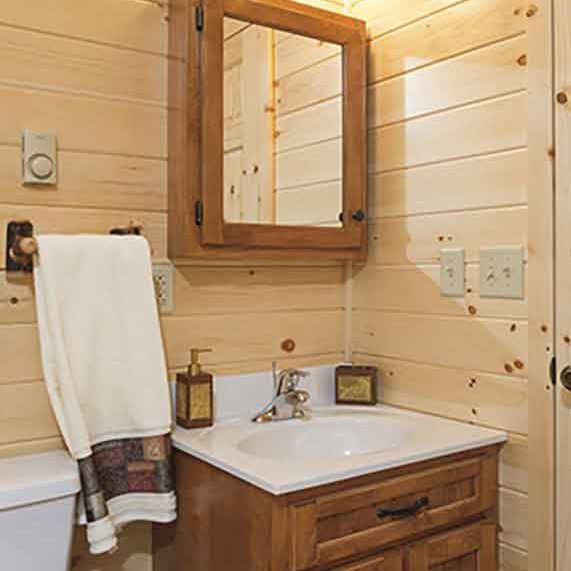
x=522, y=60
x=288, y=345
x=531, y=11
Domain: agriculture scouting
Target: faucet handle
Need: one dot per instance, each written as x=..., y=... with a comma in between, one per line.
x=289, y=379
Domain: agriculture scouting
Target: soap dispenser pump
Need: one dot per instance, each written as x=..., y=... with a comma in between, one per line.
x=194, y=394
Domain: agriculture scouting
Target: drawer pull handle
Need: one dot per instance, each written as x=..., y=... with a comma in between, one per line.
x=406, y=511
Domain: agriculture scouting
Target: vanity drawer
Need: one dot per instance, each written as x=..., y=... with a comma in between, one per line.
x=344, y=524
x=389, y=561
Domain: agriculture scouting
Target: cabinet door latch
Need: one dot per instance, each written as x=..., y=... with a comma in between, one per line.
x=198, y=212
x=199, y=18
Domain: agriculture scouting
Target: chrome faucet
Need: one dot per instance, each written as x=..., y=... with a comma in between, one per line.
x=289, y=400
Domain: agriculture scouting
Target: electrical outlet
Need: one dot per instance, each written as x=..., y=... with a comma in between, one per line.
x=452, y=272
x=501, y=272
x=163, y=279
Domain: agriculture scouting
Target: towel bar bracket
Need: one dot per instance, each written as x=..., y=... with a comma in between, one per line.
x=21, y=244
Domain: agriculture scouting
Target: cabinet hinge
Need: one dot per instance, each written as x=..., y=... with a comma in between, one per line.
x=553, y=371
x=199, y=18
x=198, y=212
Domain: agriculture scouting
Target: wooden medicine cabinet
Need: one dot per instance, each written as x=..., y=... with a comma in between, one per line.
x=267, y=131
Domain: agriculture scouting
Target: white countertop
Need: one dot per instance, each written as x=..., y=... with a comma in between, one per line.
x=420, y=437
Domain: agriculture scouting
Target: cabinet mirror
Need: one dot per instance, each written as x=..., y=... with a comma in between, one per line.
x=280, y=104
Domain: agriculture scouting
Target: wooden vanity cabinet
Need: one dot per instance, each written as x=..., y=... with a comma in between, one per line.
x=436, y=515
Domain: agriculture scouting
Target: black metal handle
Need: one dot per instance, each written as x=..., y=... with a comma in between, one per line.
x=406, y=511
x=565, y=377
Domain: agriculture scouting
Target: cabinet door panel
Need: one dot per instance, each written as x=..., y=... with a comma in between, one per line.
x=471, y=548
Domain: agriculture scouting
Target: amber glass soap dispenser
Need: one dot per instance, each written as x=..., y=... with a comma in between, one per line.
x=194, y=394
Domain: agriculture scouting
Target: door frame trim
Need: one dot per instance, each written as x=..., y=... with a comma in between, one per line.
x=541, y=294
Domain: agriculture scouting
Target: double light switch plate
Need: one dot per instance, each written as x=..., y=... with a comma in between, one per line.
x=501, y=272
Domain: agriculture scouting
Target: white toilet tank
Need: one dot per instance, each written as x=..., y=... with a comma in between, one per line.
x=37, y=508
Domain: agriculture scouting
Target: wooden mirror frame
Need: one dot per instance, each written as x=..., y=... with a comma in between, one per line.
x=196, y=216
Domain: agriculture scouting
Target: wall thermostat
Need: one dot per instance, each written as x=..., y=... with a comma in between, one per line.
x=39, y=152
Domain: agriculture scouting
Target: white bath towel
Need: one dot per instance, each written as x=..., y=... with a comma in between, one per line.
x=105, y=372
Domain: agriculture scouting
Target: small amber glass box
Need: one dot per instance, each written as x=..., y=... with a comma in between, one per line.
x=356, y=385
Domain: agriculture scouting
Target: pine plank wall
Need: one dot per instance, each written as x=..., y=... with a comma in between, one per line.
x=447, y=161
x=94, y=71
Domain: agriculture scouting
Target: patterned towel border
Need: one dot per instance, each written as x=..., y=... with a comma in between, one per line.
x=125, y=466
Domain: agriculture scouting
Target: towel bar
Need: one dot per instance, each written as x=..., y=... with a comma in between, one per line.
x=21, y=244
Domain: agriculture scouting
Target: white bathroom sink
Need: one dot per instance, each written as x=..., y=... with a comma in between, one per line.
x=326, y=436
x=335, y=443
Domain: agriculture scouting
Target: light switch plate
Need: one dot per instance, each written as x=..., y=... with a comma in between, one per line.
x=452, y=272
x=501, y=272
x=39, y=158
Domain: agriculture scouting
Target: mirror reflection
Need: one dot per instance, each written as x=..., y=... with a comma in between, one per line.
x=282, y=127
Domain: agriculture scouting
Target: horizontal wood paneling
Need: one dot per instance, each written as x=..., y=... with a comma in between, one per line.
x=310, y=204
x=310, y=85
x=480, y=128
x=462, y=27
x=416, y=289
x=294, y=53
x=310, y=165
x=255, y=289
x=448, y=169
x=477, y=182
x=463, y=394
x=16, y=300
x=474, y=344
x=84, y=123
x=450, y=83
x=513, y=518
x=309, y=125
x=61, y=63
x=418, y=239
x=395, y=13
x=233, y=337
x=89, y=180
x=513, y=464
x=210, y=290
x=25, y=412
x=253, y=336
x=512, y=559
x=133, y=25
x=308, y=130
